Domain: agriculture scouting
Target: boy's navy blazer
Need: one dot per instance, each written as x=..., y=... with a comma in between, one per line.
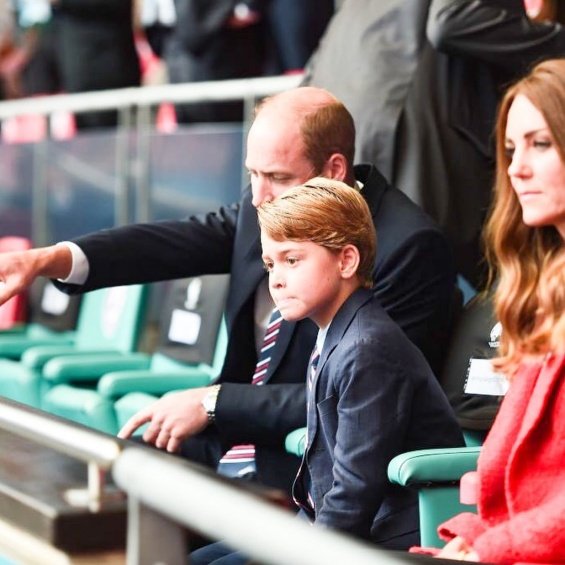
x=373, y=397
x=414, y=277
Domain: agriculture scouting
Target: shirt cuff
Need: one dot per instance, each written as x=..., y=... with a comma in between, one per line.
x=79, y=268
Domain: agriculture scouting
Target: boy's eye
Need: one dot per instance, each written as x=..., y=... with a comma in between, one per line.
x=291, y=260
x=268, y=266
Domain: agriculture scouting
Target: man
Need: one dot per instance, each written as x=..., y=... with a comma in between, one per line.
x=296, y=135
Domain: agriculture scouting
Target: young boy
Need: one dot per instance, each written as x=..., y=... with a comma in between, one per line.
x=371, y=394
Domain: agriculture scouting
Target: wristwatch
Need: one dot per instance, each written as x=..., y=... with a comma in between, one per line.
x=209, y=402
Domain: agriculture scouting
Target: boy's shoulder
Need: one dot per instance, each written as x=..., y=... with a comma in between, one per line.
x=362, y=320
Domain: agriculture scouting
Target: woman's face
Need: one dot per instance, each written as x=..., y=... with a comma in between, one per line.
x=536, y=170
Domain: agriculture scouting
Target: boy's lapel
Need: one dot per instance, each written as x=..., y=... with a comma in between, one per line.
x=339, y=325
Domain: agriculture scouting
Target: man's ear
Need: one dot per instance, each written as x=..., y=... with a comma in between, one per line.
x=349, y=261
x=335, y=168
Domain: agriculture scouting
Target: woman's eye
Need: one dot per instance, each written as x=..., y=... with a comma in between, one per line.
x=509, y=151
x=542, y=144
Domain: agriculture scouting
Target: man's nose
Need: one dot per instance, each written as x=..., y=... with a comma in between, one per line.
x=261, y=191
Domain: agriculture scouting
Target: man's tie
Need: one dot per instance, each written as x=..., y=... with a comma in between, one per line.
x=239, y=461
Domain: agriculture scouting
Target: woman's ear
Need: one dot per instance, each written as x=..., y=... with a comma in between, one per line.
x=349, y=261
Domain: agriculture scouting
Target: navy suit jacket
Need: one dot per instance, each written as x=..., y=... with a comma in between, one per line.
x=373, y=397
x=414, y=277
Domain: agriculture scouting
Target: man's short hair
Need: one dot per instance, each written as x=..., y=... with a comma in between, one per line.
x=327, y=212
x=326, y=128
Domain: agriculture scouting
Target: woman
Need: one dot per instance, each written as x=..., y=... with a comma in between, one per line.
x=521, y=497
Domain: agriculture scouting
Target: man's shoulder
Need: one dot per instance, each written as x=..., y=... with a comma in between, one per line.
x=389, y=205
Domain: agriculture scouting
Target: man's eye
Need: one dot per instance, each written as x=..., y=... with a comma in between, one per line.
x=280, y=178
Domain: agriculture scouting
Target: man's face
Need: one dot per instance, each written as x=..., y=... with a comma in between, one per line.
x=275, y=157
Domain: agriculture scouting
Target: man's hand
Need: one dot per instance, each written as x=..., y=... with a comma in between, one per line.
x=459, y=549
x=172, y=418
x=19, y=269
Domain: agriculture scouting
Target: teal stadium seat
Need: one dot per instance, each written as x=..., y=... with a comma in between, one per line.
x=190, y=353
x=109, y=326
x=52, y=319
x=436, y=473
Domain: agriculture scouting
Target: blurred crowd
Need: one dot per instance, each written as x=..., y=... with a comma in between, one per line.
x=54, y=46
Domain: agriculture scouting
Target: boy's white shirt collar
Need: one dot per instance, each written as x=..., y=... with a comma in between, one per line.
x=321, y=338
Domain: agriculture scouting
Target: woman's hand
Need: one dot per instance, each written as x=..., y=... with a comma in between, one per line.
x=459, y=549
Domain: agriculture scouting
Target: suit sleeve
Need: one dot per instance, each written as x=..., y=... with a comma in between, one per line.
x=416, y=287
x=497, y=32
x=373, y=401
x=144, y=253
x=281, y=408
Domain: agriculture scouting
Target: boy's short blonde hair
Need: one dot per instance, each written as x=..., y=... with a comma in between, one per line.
x=327, y=212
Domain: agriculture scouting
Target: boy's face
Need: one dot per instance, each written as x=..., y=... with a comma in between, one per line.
x=305, y=279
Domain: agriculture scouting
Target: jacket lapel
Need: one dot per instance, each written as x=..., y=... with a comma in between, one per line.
x=336, y=331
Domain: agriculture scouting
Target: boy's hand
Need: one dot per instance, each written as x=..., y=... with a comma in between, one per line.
x=172, y=418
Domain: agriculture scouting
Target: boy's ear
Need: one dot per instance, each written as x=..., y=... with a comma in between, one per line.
x=335, y=168
x=349, y=261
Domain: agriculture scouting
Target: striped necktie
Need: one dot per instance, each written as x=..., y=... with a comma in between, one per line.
x=312, y=367
x=239, y=461
x=303, y=472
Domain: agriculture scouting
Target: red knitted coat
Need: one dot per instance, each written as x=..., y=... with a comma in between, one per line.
x=521, y=470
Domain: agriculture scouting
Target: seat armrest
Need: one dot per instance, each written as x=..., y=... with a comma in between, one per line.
x=295, y=442
x=118, y=383
x=16, y=345
x=427, y=466
x=36, y=357
x=88, y=366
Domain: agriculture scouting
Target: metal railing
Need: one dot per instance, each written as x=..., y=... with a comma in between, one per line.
x=210, y=91
x=164, y=494
x=132, y=171
x=97, y=451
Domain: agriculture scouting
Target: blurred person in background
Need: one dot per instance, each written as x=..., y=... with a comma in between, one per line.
x=213, y=40
x=95, y=50
x=230, y=39
x=422, y=79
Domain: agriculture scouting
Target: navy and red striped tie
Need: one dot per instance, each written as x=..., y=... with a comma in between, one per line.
x=239, y=461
